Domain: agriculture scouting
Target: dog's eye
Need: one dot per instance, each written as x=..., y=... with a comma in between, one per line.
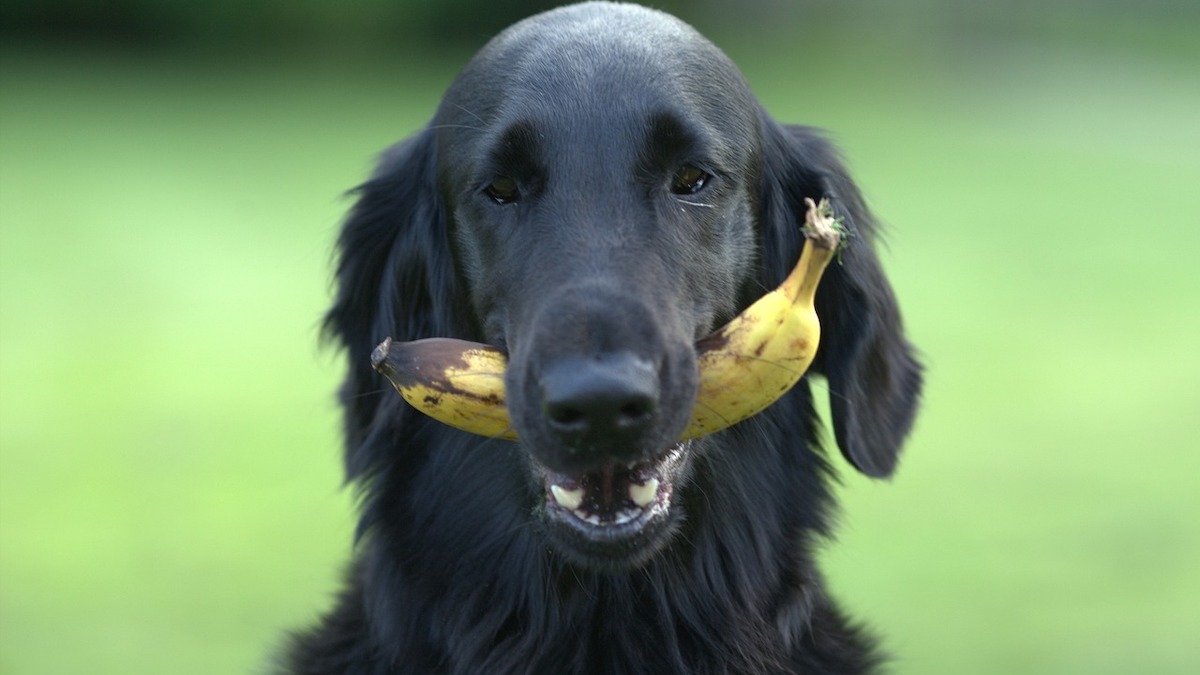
x=503, y=190
x=689, y=180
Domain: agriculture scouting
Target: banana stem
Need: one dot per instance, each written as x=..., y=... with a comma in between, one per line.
x=822, y=236
x=821, y=227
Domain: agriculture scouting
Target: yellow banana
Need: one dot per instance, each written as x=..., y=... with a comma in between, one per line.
x=453, y=381
x=744, y=367
x=761, y=354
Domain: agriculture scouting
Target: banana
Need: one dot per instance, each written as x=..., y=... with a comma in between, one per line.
x=744, y=367
x=761, y=354
x=456, y=382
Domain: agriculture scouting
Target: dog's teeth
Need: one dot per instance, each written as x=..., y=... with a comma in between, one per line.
x=625, y=516
x=643, y=494
x=569, y=499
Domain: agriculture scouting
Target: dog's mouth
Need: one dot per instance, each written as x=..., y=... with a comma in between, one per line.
x=616, y=514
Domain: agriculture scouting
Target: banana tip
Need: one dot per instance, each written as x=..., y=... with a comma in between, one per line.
x=821, y=226
x=380, y=354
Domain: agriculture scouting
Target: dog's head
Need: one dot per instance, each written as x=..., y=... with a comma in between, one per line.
x=598, y=189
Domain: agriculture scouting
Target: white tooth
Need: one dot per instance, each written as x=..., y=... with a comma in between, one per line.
x=594, y=520
x=624, y=517
x=643, y=494
x=580, y=514
x=570, y=499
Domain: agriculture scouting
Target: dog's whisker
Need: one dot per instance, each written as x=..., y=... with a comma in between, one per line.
x=456, y=126
x=368, y=393
x=714, y=411
x=499, y=435
x=752, y=357
x=823, y=385
x=470, y=112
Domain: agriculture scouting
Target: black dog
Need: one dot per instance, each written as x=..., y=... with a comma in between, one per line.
x=598, y=189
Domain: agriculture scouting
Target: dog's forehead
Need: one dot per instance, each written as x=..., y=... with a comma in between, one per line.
x=598, y=52
x=595, y=61
x=595, y=34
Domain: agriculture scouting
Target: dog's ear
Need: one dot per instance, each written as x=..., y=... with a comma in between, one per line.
x=395, y=277
x=873, y=373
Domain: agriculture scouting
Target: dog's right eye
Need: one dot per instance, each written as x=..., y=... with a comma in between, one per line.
x=689, y=180
x=503, y=190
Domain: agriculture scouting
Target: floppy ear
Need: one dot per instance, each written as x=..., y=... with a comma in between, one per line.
x=395, y=277
x=873, y=374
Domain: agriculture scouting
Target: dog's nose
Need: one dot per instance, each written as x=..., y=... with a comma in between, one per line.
x=602, y=404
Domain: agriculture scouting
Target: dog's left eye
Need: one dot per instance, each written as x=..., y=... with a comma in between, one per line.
x=689, y=180
x=503, y=190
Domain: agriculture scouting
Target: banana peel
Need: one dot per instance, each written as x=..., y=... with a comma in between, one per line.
x=456, y=382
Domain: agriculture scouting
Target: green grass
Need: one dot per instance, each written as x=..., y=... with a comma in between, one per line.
x=170, y=495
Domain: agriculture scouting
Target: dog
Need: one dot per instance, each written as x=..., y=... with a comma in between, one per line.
x=598, y=189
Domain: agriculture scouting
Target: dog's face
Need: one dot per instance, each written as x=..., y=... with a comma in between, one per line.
x=601, y=181
x=599, y=189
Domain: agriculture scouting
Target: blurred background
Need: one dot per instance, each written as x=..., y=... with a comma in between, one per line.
x=172, y=176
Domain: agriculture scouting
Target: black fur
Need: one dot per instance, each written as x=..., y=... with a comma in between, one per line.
x=600, y=258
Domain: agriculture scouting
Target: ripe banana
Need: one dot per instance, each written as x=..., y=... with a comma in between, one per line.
x=761, y=354
x=456, y=382
x=744, y=367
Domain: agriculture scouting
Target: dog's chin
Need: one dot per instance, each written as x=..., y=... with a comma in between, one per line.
x=615, y=517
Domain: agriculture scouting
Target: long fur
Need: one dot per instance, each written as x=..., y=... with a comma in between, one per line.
x=451, y=573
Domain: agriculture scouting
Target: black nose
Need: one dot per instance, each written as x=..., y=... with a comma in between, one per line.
x=606, y=403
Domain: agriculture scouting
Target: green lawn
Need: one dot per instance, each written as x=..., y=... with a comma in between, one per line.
x=170, y=495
